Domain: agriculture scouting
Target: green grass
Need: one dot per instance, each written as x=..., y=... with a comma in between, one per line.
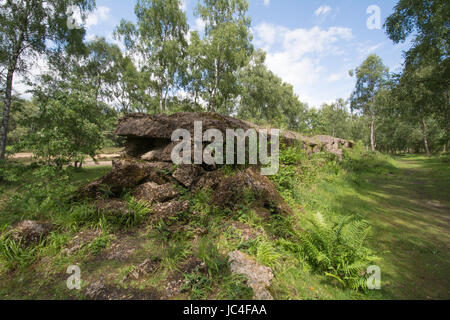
x=404, y=200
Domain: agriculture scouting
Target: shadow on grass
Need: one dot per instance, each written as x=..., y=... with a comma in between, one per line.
x=409, y=212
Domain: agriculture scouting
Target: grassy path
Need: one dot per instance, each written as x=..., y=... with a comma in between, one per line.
x=407, y=202
x=411, y=219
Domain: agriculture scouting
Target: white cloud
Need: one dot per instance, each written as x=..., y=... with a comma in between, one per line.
x=334, y=77
x=367, y=49
x=266, y=3
x=266, y=33
x=199, y=25
x=99, y=15
x=298, y=57
x=90, y=37
x=322, y=10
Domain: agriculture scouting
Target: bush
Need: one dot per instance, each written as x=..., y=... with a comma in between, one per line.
x=42, y=198
x=338, y=251
x=11, y=172
x=359, y=160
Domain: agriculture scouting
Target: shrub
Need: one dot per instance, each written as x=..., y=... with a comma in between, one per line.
x=358, y=160
x=338, y=251
x=42, y=198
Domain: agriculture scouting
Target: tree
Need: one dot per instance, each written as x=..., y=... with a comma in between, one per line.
x=99, y=67
x=368, y=96
x=20, y=109
x=225, y=49
x=427, y=63
x=70, y=122
x=111, y=74
x=429, y=20
x=29, y=27
x=68, y=127
x=335, y=119
x=193, y=77
x=129, y=89
x=159, y=40
x=266, y=98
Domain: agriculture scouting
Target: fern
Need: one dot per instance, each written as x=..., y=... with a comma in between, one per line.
x=338, y=250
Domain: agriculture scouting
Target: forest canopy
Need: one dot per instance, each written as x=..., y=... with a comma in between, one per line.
x=163, y=66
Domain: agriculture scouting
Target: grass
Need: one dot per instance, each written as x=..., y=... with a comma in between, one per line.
x=404, y=200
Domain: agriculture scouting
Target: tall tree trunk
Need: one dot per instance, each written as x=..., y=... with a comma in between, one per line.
x=212, y=102
x=425, y=136
x=161, y=102
x=8, y=94
x=6, y=112
x=372, y=133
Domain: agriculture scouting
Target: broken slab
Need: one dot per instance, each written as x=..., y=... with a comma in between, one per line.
x=234, y=190
x=187, y=175
x=152, y=192
x=259, y=277
x=125, y=175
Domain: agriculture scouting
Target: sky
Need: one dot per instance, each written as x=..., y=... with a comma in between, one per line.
x=310, y=44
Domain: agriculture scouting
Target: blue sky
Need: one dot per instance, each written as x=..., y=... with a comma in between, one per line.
x=310, y=44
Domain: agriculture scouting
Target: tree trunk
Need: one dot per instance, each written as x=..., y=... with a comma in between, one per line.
x=8, y=95
x=372, y=134
x=6, y=112
x=161, y=102
x=212, y=102
x=425, y=136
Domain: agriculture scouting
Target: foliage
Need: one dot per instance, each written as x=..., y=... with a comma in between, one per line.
x=209, y=253
x=87, y=215
x=333, y=120
x=423, y=86
x=338, y=249
x=370, y=90
x=198, y=285
x=159, y=40
x=13, y=254
x=42, y=197
x=265, y=98
x=225, y=48
x=29, y=28
x=235, y=287
x=67, y=127
x=98, y=244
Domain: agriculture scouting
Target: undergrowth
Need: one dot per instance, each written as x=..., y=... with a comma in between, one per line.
x=295, y=247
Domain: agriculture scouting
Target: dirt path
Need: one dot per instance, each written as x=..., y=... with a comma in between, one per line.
x=103, y=159
x=412, y=228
